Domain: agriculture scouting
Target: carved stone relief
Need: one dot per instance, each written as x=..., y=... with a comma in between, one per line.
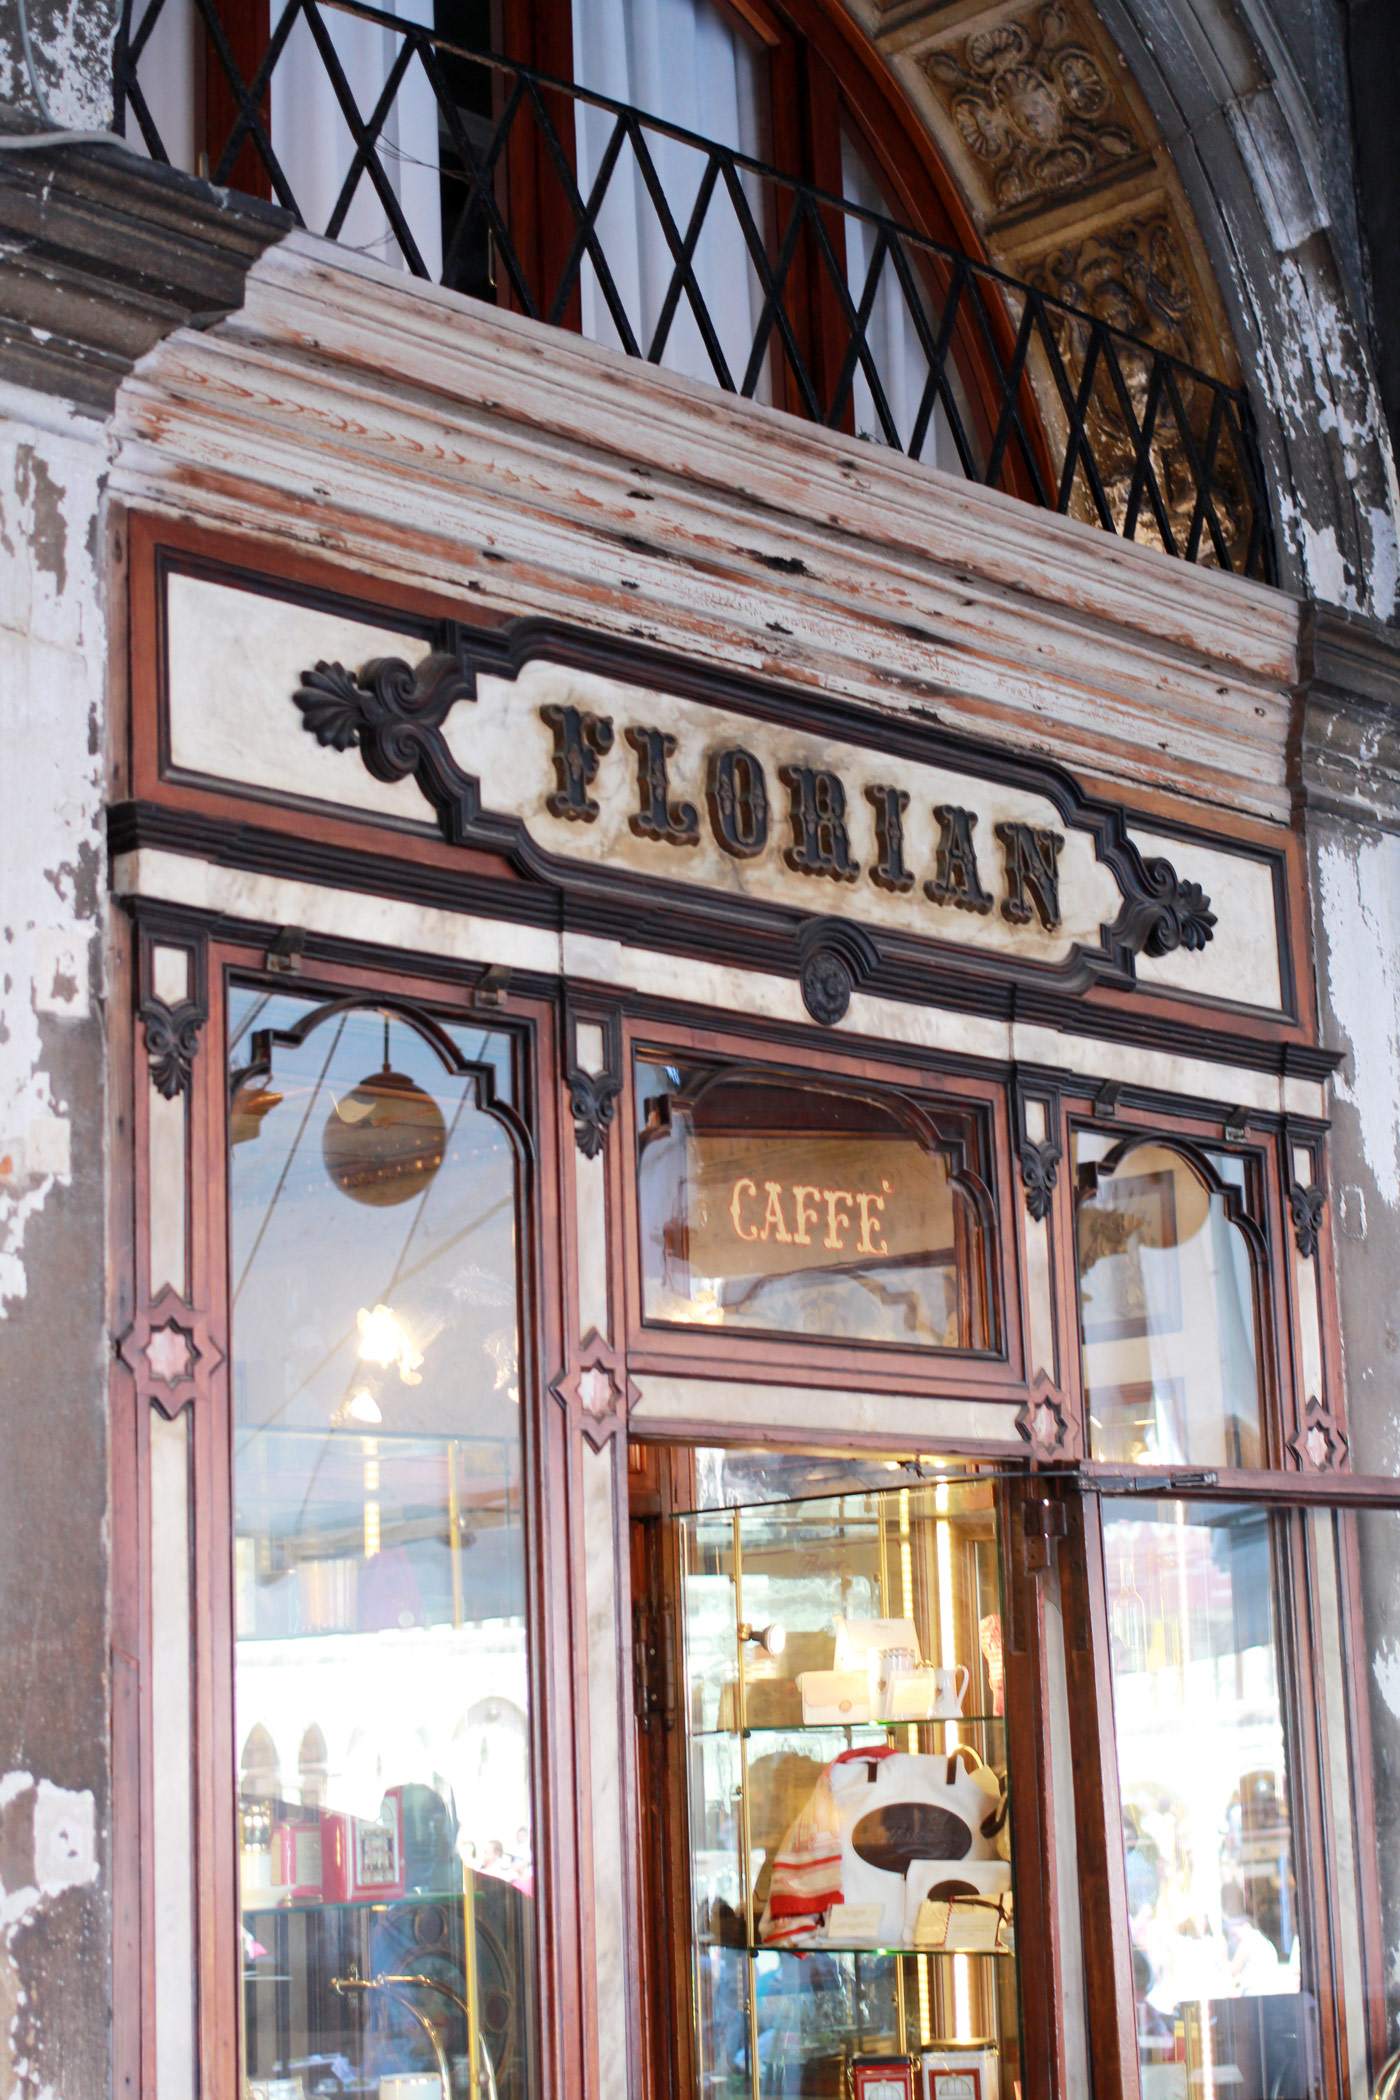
x=1034, y=105
x=1131, y=274
x=1063, y=168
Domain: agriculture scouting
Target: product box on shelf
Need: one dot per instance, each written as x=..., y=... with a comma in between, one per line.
x=960, y=2071
x=296, y=1861
x=363, y=1858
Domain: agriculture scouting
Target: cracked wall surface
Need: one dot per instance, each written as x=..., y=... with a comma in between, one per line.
x=54, y=1925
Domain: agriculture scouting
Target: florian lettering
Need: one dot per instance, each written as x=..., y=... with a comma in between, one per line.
x=819, y=822
x=657, y=817
x=956, y=879
x=580, y=740
x=840, y=1221
x=889, y=871
x=737, y=795
x=817, y=814
x=1031, y=858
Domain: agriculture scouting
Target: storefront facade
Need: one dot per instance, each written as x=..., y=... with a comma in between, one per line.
x=735, y=1458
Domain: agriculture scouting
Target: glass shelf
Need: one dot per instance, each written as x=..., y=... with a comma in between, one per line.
x=256, y=1907
x=698, y=1735
x=866, y=1947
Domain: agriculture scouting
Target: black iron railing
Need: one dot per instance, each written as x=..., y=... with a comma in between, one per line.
x=578, y=210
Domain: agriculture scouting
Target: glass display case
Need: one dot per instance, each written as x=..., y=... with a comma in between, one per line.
x=849, y=1834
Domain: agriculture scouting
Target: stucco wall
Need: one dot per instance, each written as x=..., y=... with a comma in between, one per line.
x=54, y=1923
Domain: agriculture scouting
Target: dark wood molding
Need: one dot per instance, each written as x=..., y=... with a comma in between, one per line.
x=763, y=937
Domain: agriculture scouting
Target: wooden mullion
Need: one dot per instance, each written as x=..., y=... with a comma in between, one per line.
x=1103, y=1881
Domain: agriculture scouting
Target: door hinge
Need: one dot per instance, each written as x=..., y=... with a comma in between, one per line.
x=1042, y=1523
x=654, y=1665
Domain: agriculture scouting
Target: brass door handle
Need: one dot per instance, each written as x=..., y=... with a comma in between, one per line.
x=1388, y=2081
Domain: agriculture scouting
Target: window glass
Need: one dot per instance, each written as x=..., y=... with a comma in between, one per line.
x=691, y=63
x=850, y=1850
x=381, y=1674
x=772, y=1203
x=1166, y=1309
x=893, y=334
x=1225, y=2001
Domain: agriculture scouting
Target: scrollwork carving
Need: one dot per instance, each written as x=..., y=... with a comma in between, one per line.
x=1164, y=912
x=1305, y=1207
x=1040, y=1167
x=393, y=712
x=592, y=1104
x=1034, y=106
x=172, y=1040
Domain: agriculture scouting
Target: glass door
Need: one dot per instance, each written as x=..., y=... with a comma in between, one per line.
x=843, y=1707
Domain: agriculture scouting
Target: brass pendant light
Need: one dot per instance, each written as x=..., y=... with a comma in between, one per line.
x=384, y=1142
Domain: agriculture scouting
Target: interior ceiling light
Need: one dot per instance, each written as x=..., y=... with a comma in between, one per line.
x=384, y=1142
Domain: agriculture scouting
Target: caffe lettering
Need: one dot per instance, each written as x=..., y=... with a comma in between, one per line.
x=798, y=1214
x=741, y=814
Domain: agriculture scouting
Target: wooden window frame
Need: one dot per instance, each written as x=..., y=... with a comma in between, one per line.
x=997, y=1372
x=558, y=1749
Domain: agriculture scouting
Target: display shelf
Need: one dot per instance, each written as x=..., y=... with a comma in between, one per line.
x=754, y=1949
x=323, y=1905
x=913, y=1571
x=701, y=1735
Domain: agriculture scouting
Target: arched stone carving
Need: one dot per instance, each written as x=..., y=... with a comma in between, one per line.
x=1155, y=164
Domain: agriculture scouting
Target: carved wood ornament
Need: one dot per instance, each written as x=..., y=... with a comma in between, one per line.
x=1024, y=877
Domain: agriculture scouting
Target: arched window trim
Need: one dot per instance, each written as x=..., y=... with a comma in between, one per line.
x=481, y=1078
x=935, y=1136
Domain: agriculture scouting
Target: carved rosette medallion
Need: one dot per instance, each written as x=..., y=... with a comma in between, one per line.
x=1034, y=105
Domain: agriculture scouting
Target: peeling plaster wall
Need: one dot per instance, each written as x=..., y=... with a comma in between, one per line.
x=71, y=42
x=54, y=1725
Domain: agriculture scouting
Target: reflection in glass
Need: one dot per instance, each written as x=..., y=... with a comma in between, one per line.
x=1167, y=1314
x=794, y=1978
x=381, y=1680
x=772, y=1203
x=1225, y=2009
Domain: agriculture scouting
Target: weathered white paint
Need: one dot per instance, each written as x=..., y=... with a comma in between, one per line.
x=721, y=1407
x=64, y=1841
x=1241, y=963
x=52, y=664
x=1359, y=903
x=521, y=468
x=62, y=1837
x=235, y=661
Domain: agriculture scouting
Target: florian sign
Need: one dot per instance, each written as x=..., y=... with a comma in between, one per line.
x=708, y=801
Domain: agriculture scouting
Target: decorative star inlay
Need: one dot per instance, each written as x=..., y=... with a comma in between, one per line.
x=1320, y=1445
x=1044, y=1424
x=170, y=1353
x=598, y=1389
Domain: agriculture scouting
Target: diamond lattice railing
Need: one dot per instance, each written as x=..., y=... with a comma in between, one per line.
x=576, y=210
